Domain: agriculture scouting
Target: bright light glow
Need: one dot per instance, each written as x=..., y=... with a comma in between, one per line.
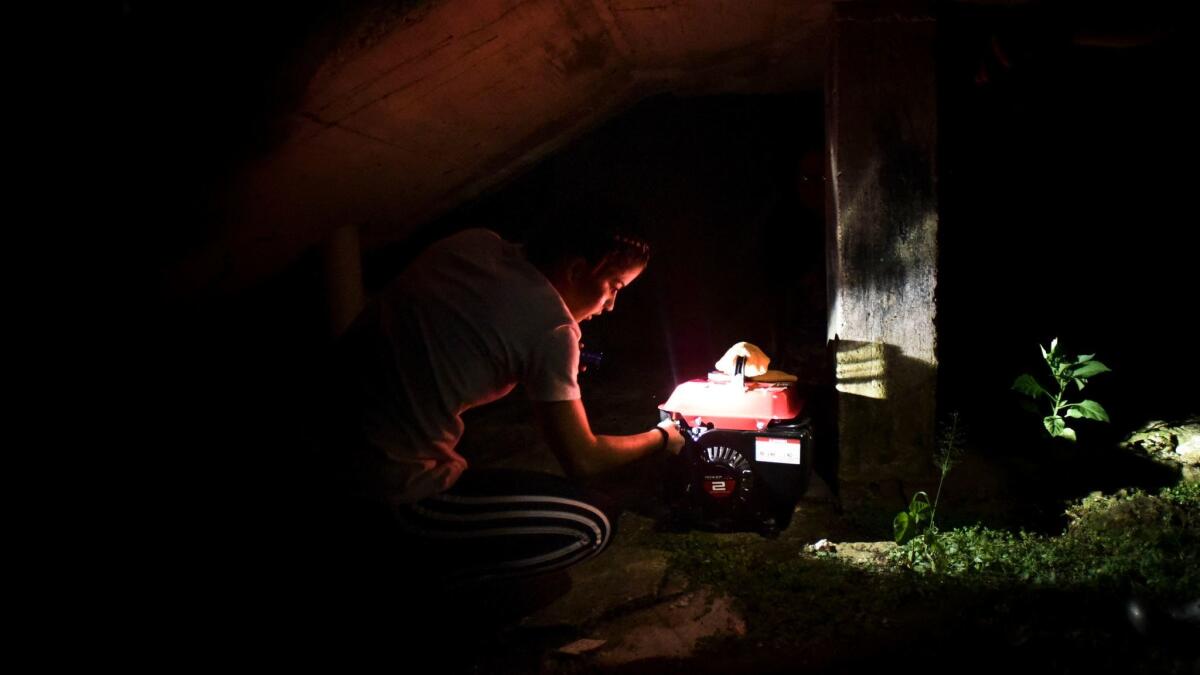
x=861, y=369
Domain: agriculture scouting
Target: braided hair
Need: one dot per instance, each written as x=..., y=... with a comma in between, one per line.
x=603, y=237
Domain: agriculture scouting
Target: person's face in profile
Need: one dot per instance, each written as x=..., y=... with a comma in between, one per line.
x=594, y=290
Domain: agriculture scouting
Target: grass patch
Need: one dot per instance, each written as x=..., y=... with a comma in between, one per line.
x=1131, y=539
x=1059, y=602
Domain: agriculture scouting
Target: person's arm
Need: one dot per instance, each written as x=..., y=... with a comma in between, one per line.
x=582, y=453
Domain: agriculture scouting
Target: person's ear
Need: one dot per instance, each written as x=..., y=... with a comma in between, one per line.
x=577, y=271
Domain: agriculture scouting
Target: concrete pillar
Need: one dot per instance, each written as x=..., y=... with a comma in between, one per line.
x=882, y=244
x=342, y=257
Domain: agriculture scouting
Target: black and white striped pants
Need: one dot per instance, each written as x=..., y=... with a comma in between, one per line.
x=496, y=524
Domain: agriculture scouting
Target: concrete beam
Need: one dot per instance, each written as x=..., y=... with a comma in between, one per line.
x=450, y=99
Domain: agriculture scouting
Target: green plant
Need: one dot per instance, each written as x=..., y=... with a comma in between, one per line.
x=919, y=519
x=1065, y=371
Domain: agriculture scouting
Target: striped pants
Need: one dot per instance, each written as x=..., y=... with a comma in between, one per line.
x=495, y=524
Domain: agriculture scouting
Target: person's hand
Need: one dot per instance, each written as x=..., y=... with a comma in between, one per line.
x=674, y=437
x=756, y=360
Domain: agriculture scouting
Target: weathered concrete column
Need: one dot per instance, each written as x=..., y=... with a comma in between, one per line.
x=882, y=243
x=342, y=257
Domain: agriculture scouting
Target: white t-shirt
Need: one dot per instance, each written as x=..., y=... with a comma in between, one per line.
x=467, y=320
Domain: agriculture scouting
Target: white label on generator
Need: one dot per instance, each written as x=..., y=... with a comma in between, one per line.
x=777, y=450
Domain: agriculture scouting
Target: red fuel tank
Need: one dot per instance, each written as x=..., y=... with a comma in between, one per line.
x=747, y=406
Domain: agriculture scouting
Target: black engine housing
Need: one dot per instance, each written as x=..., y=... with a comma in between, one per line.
x=718, y=482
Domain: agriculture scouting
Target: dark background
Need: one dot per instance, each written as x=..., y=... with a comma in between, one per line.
x=1065, y=213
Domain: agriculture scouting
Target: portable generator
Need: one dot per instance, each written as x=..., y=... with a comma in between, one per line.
x=747, y=455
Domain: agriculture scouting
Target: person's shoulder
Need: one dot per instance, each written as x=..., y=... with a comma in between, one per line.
x=473, y=243
x=479, y=236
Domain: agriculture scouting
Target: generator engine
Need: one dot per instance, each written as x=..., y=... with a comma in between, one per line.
x=747, y=455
